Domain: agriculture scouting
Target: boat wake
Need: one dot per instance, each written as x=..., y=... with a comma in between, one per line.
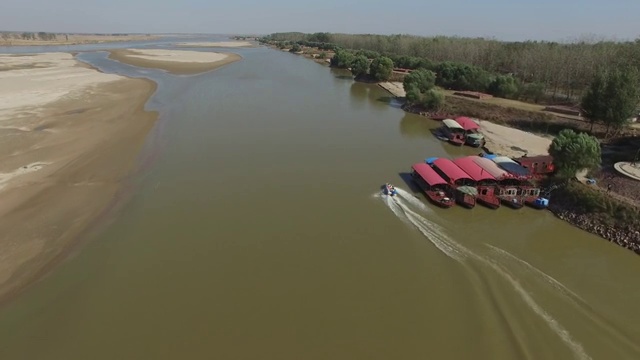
x=401, y=207
x=579, y=303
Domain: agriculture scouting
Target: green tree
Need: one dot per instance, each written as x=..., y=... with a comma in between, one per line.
x=413, y=94
x=322, y=55
x=504, y=86
x=573, y=151
x=432, y=99
x=381, y=68
x=424, y=80
x=342, y=59
x=360, y=66
x=533, y=92
x=612, y=97
x=296, y=48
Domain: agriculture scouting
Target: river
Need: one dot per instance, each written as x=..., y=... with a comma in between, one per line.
x=254, y=229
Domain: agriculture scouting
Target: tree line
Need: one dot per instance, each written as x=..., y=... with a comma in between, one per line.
x=560, y=70
x=29, y=36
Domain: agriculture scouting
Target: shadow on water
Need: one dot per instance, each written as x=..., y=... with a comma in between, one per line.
x=342, y=74
x=411, y=185
x=359, y=92
x=390, y=101
x=414, y=126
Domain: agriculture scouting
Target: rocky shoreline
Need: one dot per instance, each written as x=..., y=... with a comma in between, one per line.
x=627, y=237
x=571, y=204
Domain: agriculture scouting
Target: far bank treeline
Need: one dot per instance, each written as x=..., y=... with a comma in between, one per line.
x=528, y=70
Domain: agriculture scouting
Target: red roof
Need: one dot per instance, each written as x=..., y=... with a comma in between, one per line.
x=467, y=123
x=450, y=169
x=474, y=170
x=428, y=174
x=496, y=171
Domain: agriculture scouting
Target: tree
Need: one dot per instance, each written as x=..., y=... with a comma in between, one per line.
x=360, y=66
x=424, y=80
x=296, y=48
x=342, y=59
x=612, y=97
x=432, y=99
x=533, y=92
x=594, y=104
x=381, y=68
x=573, y=151
x=412, y=94
x=504, y=86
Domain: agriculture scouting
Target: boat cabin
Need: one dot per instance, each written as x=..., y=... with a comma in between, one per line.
x=537, y=165
x=512, y=167
x=487, y=185
x=434, y=186
x=454, y=132
x=473, y=137
x=458, y=179
x=508, y=190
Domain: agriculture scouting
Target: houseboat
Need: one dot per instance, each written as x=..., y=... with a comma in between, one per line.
x=464, y=186
x=529, y=192
x=433, y=185
x=453, y=132
x=486, y=184
x=508, y=185
x=472, y=135
x=537, y=165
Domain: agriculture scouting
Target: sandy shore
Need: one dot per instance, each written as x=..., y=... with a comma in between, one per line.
x=395, y=88
x=70, y=134
x=174, y=61
x=15, y=39
x=231, y=44
x=512, y=142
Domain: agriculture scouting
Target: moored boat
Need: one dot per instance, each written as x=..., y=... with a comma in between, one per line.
x=538, y=203
x=459, y=181
x=508, y=185
x=433, y=185
x=472, y=135
x=486, y=183
x=453, y=132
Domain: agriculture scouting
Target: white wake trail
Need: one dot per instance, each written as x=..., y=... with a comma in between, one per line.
x=413, y=201
x=436, y=235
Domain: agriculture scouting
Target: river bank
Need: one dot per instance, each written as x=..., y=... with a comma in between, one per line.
x=180, y=62
x=509, y=138
x=70, y=137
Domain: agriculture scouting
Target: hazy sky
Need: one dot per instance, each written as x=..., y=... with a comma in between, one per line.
x=503, y=19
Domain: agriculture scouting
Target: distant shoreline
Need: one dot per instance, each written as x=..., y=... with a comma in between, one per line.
x=16, y=39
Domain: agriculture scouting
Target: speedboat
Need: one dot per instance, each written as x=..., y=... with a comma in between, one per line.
x=388, y=189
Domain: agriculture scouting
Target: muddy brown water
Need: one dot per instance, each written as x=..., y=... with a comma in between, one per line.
x=255, y=230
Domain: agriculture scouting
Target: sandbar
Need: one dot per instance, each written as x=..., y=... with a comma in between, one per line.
x=70, y=136
x=512, y=142
x=174, y=61
x=229, y=44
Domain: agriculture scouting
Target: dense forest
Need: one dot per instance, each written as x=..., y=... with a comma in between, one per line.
x=563, y=70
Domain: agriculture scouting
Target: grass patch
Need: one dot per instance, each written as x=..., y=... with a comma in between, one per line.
x=595, y=202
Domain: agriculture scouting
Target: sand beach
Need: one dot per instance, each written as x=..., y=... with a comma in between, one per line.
x=179, y=62
x=229, y=44
x=65, y=150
